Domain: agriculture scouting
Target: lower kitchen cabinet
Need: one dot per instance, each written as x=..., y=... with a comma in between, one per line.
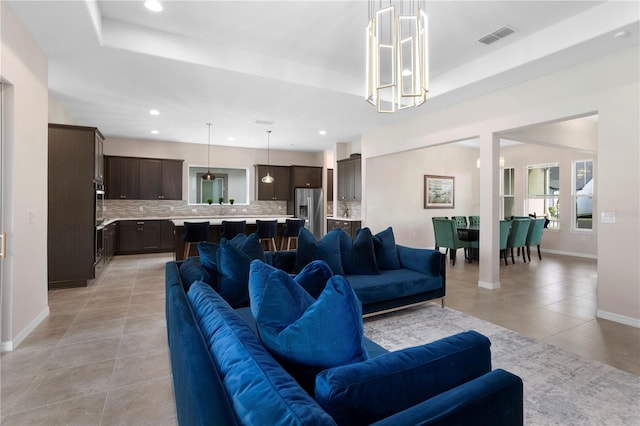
x=144, y=236
x=351, y=226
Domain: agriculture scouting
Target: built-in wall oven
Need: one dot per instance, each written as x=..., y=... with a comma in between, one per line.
x=99, y=216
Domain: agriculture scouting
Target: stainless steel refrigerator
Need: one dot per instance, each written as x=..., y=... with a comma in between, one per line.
x=309, y=205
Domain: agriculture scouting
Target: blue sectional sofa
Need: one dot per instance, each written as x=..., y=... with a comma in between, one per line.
x=224, y=375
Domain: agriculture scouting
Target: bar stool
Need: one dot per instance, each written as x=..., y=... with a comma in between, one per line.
x=266, y=230
x=231, y=228
x=194, y=232
x=290, y=232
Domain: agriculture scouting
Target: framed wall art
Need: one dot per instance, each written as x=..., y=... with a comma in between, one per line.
x=439, y=192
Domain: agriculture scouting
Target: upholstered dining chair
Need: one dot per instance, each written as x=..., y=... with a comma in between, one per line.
x=534, y=237
x=267, y=230
x=474, y=220
x=231, y=228
x=461, y=221
x=194, y=233
x=446, y=233
x=438, y=217
x=518, y=237
x=505, y=227
x=290, y=233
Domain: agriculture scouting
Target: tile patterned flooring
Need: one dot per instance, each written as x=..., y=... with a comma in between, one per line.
x=101, y=357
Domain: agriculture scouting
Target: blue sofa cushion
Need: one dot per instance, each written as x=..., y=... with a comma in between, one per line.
x=391, y=285
x=233, y=262
x=192, y=270
x=312, y=278
x=365, y=392
x=260, y=390
x=358, y=256
x=208, y=253
x=327, y=249
x=306, y=332
x=386, y=251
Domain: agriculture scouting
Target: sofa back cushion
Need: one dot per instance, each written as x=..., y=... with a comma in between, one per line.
x=260, y=390
x=233, y=262
x=358, y=256
x=192, y=270
x=208, y=252
x=398, y=380
x=327, y=249
x=386, y=251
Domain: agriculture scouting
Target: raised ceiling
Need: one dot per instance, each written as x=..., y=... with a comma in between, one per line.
x=298, y=64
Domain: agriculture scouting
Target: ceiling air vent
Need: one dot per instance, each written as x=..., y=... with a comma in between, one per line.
x=497, y=35
x=265, y=122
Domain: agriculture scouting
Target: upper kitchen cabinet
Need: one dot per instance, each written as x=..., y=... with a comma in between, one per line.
x=98, y=158
x=350, y=179
x=305, y=177
x=122, y=178
x=329, y=184
x=71, y=244
x=143, y=178
x=279, y=189
x=160, y=179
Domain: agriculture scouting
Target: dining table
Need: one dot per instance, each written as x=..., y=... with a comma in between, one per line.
x=470, y=233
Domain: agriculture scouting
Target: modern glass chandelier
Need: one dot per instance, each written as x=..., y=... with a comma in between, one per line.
x=208, y=175
x=397, y=55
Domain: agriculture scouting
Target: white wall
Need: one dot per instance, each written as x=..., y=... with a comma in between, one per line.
x=24, y=270
x=608, y=86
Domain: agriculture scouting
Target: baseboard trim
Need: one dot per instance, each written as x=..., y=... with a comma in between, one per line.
x=567, y=253
x=488, y=285
x=13, y=344
x=622, y=319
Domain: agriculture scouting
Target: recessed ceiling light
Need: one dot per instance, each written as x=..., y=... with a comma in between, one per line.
x=153, y=5
x=231, y=139
x=322, y=132
x=154, y=112
x=155, y=132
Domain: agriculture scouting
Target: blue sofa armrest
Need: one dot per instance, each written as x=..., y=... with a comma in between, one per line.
x=401, y=379
x=427, y=261
x=495, y=398
x=200, y=395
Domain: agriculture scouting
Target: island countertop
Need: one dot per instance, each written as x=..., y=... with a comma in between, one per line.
x=217, y=220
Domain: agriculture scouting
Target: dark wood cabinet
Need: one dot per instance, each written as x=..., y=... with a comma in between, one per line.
x=109, y=236
x=122, y=178
x=279, y=189
x=71, y=234
x=143, y=178
x=144, y=236
x=329, y=184
x=99, y=158
x=351, y=226
x=305, y=177
x=350, y=179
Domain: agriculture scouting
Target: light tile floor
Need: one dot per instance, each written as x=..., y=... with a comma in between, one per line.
x=101, y=357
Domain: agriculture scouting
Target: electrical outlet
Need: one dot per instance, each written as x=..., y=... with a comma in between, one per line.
x=171, y=208
x=194, y=210
x=141, y=208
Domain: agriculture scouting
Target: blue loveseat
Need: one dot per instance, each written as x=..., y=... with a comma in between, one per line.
x=223, y=375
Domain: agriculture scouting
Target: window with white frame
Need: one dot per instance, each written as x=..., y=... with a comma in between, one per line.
x=543, y=192
x=583, y=181
x=507, y=197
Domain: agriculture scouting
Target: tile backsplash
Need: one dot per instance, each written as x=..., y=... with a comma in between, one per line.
x=180, y=208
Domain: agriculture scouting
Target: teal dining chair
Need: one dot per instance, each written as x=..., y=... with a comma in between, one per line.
x=534, y=237
x=474, y=220
x=461, y=221
x=505, y=227
x=518, y=237
x=446, y=233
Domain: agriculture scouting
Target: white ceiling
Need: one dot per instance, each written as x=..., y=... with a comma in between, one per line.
x=299, y=63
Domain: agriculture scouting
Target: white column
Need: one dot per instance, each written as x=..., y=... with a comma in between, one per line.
x=489, y=212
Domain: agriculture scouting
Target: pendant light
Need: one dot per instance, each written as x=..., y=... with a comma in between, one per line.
x=209, y=175
x=268, y=178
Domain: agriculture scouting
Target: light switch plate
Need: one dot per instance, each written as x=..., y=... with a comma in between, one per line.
x=608, y=217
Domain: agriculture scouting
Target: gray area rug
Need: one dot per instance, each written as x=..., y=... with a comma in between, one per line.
x=560, y=388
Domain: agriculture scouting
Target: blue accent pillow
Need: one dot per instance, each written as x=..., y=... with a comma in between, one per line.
x=233, y=266
x=208, y=253
x=327, y=249
x=192, y=270
x=312, y=278
x=300, y=330
x=358, y=256
x=398, y=380
x=386, y=251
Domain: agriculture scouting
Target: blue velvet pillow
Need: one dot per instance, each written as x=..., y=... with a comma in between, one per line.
x=398, y=380
x=386, y=251
x=233, y=267
x=299, y=330
x=312, y=278
x=207, y=252
x=192, y=270
x=327, y=249
x=358, y=256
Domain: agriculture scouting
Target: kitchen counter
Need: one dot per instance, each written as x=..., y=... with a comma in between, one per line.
x=346, y=219
x=213, y=220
